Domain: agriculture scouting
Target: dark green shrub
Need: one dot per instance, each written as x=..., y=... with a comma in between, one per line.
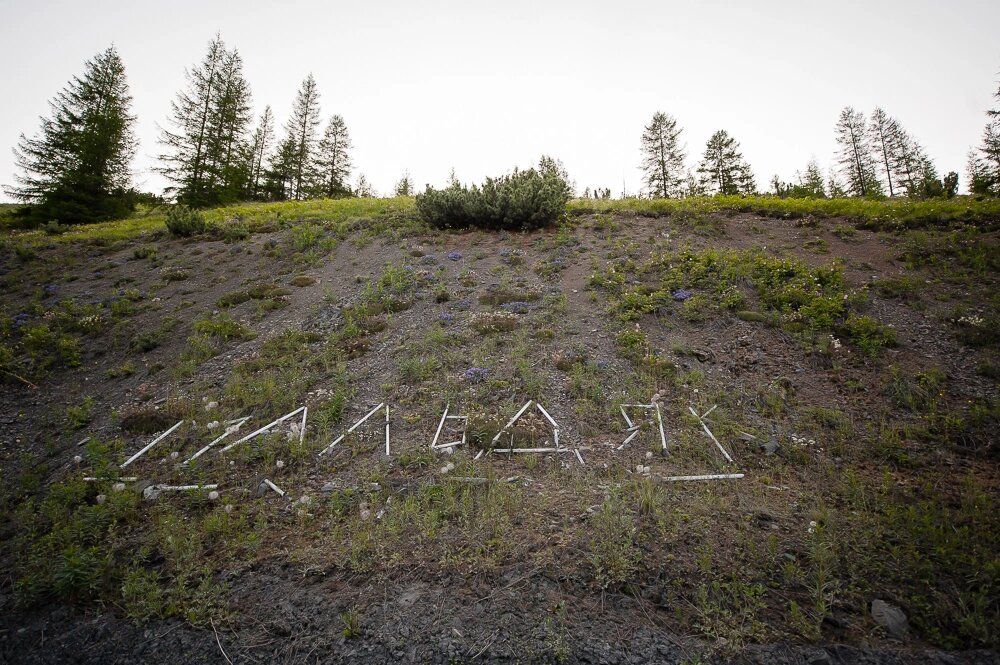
x=524, y=200
x=183, y=221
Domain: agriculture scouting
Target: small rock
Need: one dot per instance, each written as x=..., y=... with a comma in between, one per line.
x=228, y=508
x=118, y=487
x=649, y=454
x=328, y=487
x=305, y=500
x=280, y=464
x=213, y=496
x=375, y=487
x=639, y=468
x=771, y=447
x=366, y=515
x=174, y=455
x=77, y=459
x=212, y=425
x=890, y=617
x=211, y=405
x=101, y=498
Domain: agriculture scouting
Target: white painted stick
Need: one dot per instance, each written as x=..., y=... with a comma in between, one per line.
x=123, y=479
x=478, y=455
x=625, y=416
x=532, y=450
x=302, y=429
x=630, y=437
x=639, y=406
x=386, y=430
x=546, y=414
x=448, y=445
x=712, y=436
x=440, y=425
x=353, y=427
x=263, y=429
x=513, y=420
x=234, y=427
x=705, y=415
x=150, y=445
x=719, y=476
x=277, y=489
x=633, y=428
x=578, y=455
x=659, y=421
x=555, y=437
x=180, y=488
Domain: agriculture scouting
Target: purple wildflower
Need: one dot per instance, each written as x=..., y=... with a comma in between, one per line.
x=49, y=289
x=454, y=256
x=21, y=319
x=446, y=317
x=475, y=374
x=681, y=294
x=516, y=307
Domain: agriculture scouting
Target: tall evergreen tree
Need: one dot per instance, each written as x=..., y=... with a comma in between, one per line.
x=857, y=166
x=258, y=149
x=884, y=135
x=333, y=159
x=78, y=168
x=662, y=156
x=299, y=145
x=210, y=118
x=723, y=170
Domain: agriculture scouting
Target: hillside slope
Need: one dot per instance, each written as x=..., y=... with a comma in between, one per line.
x=848, y=366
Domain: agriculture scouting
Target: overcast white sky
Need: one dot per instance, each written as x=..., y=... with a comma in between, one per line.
x=484, y=86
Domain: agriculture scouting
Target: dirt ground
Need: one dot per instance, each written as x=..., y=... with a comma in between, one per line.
x=526, y=592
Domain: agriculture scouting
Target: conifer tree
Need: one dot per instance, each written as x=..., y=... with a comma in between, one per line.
x=78, y=167
x=210, y=118
x=812, y=180
x=257, y=152
x=299, y=145
x=662, y=157
x=977, y=174
x=885, y=138
x=723, y=170
x=857, y=166
x=333, y=159
x=404, y=186
x=363, y=188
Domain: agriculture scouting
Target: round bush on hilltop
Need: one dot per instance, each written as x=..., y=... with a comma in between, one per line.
x=521, y=201
x=183, y=221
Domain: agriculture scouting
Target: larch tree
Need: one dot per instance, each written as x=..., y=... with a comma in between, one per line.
x=811, y=181
x=884, y=134
x=258, y=149
x=857, y=166
x=990, y=150
x=209, y=120
x=404, y=186
x=333, y=159
x=722, y=169
x=662, y=157
x=300, y=140
x=977, y=174
x=77, y=169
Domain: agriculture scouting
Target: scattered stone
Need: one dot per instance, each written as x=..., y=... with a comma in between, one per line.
x=890, y=617
x=328, y=487
x=118, y=487
x=649, y=454
x=771, y=447
x=213, y=496
x=77, y=459
x=305, y=500
x=174, y=455
x=375, y=487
